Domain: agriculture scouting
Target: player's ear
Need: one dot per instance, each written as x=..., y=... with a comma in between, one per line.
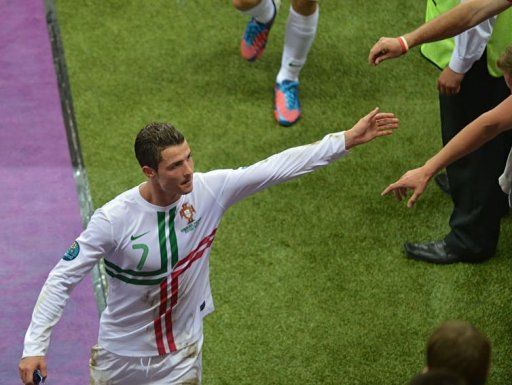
x=148, y=171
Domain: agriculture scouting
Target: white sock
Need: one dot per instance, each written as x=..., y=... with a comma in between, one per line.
x=263, y=12
x=298, y=38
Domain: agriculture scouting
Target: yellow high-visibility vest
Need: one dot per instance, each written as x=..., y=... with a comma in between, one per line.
x=440, y=52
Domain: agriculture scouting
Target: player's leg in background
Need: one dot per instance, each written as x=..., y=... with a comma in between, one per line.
x=263, y=13
x=299, y=36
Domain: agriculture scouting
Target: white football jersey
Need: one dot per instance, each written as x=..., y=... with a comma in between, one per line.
x=157, y=258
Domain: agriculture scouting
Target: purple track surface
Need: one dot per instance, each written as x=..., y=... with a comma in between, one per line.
x=39, y=207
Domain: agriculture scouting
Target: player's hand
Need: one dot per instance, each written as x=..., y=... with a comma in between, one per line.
x=28, y=365
x=371, y=126
x=449, y=82
x=385, y=48
x=415, y=180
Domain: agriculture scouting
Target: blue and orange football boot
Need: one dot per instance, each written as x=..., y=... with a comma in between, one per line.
x=255, y=37
x=286, y=102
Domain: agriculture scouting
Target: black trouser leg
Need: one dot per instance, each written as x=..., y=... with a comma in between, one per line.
x=479, y=203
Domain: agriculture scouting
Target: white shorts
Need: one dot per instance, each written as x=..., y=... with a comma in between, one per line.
x=182, y=367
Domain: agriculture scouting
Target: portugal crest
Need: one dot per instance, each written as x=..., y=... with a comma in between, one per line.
x=187, y=211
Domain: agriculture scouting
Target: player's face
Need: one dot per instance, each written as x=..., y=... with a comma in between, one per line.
x=175, y=170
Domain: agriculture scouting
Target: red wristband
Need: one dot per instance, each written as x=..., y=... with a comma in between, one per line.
x=403, y=43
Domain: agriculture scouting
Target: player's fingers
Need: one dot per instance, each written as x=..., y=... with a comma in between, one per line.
x=403, y=192
x=381, y=121
x=23, y=372
x=397, y=195
x=385, y=115
x=22, y=375
x=386, y=191
x=26, y=377
x=379, y=52
x=387, y=127
x=389, y=122
x=382, y=57
x=413, y=198
x=390, y=188
x=43, y=369
x=393, y=125
x=374, y=53
x=385, y=133
x=370, y=115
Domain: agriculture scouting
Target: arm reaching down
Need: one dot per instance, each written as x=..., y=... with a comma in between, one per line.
x=481, y=130
x=94, y=243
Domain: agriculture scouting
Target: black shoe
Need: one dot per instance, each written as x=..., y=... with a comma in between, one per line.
x=433, y=252
x=442, y=182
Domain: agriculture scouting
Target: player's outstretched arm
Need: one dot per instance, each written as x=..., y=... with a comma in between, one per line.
x=457, y=20
x=369, y=127
x=231, y=186
x=28, y=365
x=474, y=135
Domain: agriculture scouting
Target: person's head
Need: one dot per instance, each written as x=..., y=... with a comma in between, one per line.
x=165, y=158
x=459, y=347
x=505, y=65
x=437, y=377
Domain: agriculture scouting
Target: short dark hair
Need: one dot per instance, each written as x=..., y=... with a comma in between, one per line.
x=437, y=377
x=154, y=138
x=461, y=348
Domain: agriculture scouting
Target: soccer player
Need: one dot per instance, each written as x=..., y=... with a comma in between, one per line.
x=156, y=239
x=299, y=36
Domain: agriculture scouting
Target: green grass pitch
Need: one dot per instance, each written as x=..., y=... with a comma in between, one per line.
x=309, y=278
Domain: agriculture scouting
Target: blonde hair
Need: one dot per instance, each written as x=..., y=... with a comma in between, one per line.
x=505, y=61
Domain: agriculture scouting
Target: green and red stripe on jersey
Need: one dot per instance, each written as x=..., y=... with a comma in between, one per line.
x=165, y=312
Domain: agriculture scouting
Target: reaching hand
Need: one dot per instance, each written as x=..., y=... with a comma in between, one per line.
x=449, y=82
x=371, y=126
x=385, y=48
x=416, y=180
x=28, y=365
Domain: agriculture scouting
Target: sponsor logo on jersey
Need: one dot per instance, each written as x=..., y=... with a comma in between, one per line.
x=72, y=252
x=191, y=226
x=134, y=237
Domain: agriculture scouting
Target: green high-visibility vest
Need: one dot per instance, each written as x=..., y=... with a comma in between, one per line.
x=440, y=52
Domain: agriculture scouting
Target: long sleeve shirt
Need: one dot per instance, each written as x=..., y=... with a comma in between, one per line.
x=470, y=45
x=157, y=258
